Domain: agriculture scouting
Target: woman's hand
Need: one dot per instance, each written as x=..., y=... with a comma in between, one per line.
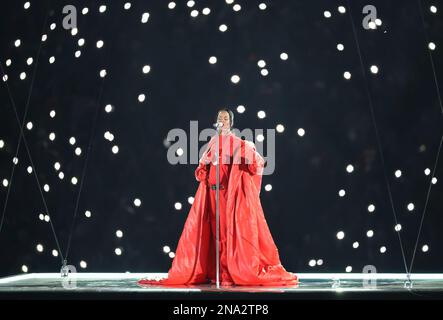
x=201, y=173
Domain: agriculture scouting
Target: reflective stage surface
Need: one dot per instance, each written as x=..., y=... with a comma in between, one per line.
x=323, y=285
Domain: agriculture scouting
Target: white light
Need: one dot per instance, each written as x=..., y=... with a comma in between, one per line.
x=85, y=10
x=223, y=27
x=29, y=125
x=57, y=166
x=301, y=132
x=5, y=182
x=268, y=187
x=410, y=206
x=44, y=37
x=425, y=248
x=427, y=171
x=47, y=218
x=177, y=206
x=190, y=200
x=378, y=22
x=171, y=5
x=341, y=9
x=145, y=17
x=119, y=233
x=118, y=251
x=261, y=63
x=340, y=235
x=61, y=175
x=115, y=149
x=23, y=75
x=371, y=208
x=319, y=262
x=370, y=233
x=171, y=255
x=355, y=245
x=434, y=180
x=179, y=152
x=235, y=78
x=374, y=69
x=46, y=188
x=52, y=136
x=108, y=108
x=15, y=160
x=127, y=6
x=100, y=44
x=190, y=3
x=146, y=69
x=29, y=61
x=342, y=193
x=17, y=43
x=78, y=151
x=340, y=47
x=39, y=247
x=397, y=173
x=74, y=180
x=141, y=97
x=102, y=9
x=55, y=253
x=206, y=11
x=78, y=53
x=264, y=72
x=349, y=168
x=241, y=109
x=52, y=113
x=397, y=227
x=262, y=6
x=213, y=60
x=372, y=25
x=2, y=143
x=236, y=7
x=260, y=138
x=166, y=249
x=431, y=45
x=137, y=202
x=229, y=1
x=347, y=75
x=26, y=6
x=103, y=73
x=312, y=263
x=52, y=26
x=433, y=9
x=280, y=128
x=72, y=140
x=284, y=56
x=81, y=42
x=29, y=169
x=327, y=14
x=261, y=114
x=87, y=214
x=24, y=268
x=8, y=62
x=5, y=78
x=194, y=13
x=382, y=249
x=52, y=60
x=74, y=31
x=83, y=264
x=348, y=269
x=41, y=216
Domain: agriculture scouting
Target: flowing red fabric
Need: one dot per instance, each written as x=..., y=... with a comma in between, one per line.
x=251, y=256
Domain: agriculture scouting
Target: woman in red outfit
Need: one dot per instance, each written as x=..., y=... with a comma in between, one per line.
x=247, y=252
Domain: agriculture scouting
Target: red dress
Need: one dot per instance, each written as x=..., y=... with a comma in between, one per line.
x=248, y=254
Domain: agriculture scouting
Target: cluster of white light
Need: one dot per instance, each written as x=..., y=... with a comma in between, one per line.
x=83, y=264
x=284, y=56
x=371, y=208
x=88, y=214
x=137, y=202
x=340, y=47
x=301, y=132
x=374, y=69
x=262, y=6
x=397, y=173
x=340, y=235
x=119, y=233
x=261, y=114
x=349, y=168
x=280, y=128
x=223, y=28
x=355, y=245
x=370, y=233
x=397, y=227
x=410, y=206
x=347, y=75
x=109, y=136
x=166, y=249
x=145, y=17
x=341, y=9
x=141, y=97
x=382, y=249
x=268, y=187
x=341, y=193
x=241, y=109
x=177, y=206
x=235, y=79
x=348, y=269
x=212, y=60
x=190, y=200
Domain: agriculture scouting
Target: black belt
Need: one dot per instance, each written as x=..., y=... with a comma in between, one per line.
x=214, y=187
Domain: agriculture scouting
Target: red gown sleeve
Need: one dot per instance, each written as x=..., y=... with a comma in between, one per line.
x=257, y=164
x=201, y=173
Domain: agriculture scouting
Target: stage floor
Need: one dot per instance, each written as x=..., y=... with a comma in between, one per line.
x=327, y=285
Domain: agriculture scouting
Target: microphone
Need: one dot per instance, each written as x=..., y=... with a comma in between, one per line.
x=218, y=125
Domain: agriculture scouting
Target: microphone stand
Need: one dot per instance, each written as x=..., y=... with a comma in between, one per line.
x=217, y=209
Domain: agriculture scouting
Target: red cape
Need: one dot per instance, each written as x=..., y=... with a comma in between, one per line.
x=252, y=256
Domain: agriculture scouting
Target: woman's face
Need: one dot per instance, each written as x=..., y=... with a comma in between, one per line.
x=223, y=117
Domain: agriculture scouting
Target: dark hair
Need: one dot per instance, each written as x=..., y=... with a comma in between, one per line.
x=231, y=116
